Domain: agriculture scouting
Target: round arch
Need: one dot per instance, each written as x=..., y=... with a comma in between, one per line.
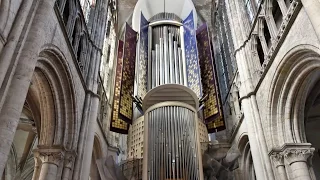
x=52, y=101
x=291, y=84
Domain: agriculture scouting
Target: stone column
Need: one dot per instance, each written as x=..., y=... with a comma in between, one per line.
x=278, y=161
x=50, y=158
x=68, y=165
x=37, y=164
x=297, y=158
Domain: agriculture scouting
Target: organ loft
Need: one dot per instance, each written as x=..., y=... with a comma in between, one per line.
x=166, y=92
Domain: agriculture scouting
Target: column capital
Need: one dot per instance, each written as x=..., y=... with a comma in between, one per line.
x=298, y=155
x=50, y=155
x=37, y=160
x=69, y=158
x=277, y=158
x=297, y=152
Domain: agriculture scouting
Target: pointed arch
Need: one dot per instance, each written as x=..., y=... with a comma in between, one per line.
x=246, y=161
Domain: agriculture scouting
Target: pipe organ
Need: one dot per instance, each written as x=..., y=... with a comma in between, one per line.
x=171, y=77
x=173, y=151
x=166, y=56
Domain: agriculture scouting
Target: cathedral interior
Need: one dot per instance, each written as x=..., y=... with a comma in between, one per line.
x=159, y=89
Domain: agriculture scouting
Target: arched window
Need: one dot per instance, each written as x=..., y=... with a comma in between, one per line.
x=251, y=7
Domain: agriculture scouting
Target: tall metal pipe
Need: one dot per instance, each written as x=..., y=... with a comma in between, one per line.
x=169, y=59
x=157, y=152
x=171, y=119
x=153, y=71
x=165, y=45
x=180, y=66
x=167, y=143
x=157, y=64
x=171, y=66
x=149, y=57
x=163, y=145
x=161, y=64
x=183, y=56
x=176, y=69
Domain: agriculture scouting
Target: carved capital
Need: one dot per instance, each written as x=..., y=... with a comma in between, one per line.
x=37, y=160
x=277, y=159
x=69, y=159
x=50, y=155
x=297, y=155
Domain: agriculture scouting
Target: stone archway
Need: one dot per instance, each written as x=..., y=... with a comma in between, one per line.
x=294, y=80
x=312, y=124
x=57, y=126
x=245, y=160
x=96, y=154
x=51, y=102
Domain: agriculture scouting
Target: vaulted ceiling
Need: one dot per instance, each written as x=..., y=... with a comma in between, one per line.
x=205, y=10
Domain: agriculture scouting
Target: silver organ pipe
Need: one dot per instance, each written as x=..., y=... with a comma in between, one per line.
x=173, y=153
x=169, y=60
x=157, y=64
x=162, y=67
x=176, y=64
x=180, y=66
x=153, y=65
x=150, y=76
x=184, y=72
x=165, y=37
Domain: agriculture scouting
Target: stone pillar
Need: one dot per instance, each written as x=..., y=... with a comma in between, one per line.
x=37, y=164
x=68, y=165
x=50, y=158
x=312, y=8
x=85, y=147
x=278, y=161
x=90, y=137
x=297, y=157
